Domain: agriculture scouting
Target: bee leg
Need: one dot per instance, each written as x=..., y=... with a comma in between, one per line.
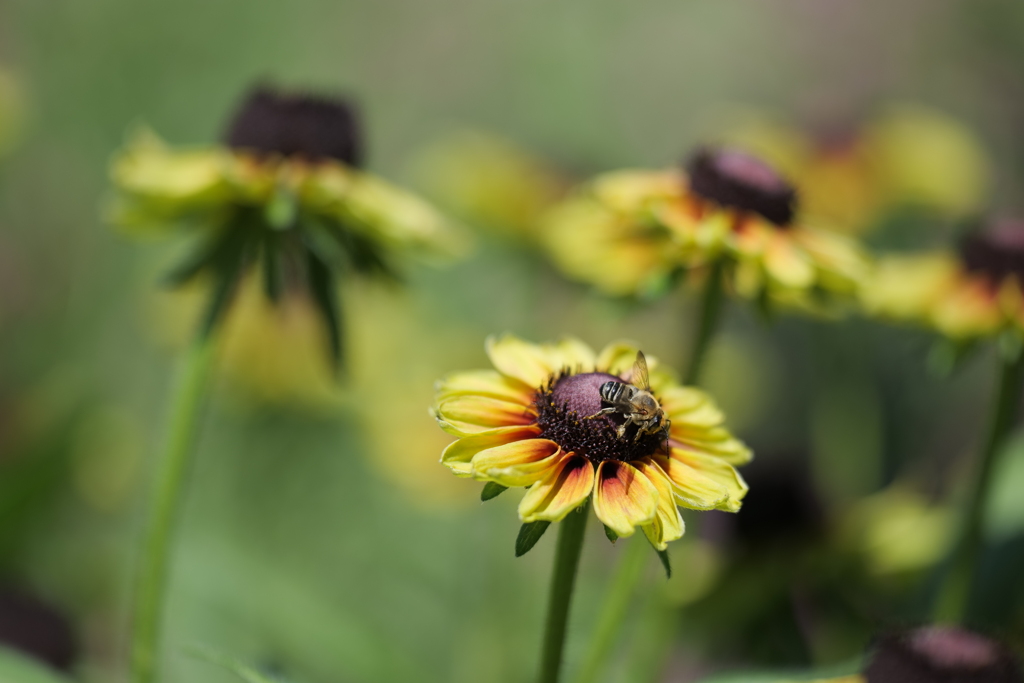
x=603, y=411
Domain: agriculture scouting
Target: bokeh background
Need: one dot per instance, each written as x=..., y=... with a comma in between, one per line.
x=321, y=539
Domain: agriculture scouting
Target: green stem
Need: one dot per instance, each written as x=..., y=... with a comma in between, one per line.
x=710, y=309
x=629, y=572
x=614, y=609
x=164, y=504
x=567, y=559
x=955, y=594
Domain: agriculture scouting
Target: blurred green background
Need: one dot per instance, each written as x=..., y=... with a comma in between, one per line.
x=330, y=546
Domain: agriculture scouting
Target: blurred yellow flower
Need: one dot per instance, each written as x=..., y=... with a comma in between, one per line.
x=489, y=182
x=533, y=422
x=631, y=232
x=974, y=292
x=906, y=155
x=283, y=197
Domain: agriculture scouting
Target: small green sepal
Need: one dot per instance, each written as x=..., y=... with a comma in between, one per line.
x=492, y=489
x=529, y=534
x=612, y=536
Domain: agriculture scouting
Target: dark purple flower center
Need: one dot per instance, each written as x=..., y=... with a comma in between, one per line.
x=740, y=181
x=563, y=407
x=941, y=654
x=310, y=127
x=995, y=252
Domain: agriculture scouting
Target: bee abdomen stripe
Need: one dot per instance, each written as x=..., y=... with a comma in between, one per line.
x=612, y=391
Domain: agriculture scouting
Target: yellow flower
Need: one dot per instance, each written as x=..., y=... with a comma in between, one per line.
x=850, y=177
x=526, y=424
x=284, y=196
x=975, y=292
x=631, y=232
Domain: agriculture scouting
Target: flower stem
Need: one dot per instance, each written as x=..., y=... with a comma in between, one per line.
x=710, y=309
x=567, y=559
x=614, y=609
x=187, y=406
x=955, y=594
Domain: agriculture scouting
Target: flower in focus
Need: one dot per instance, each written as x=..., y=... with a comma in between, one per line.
x=632, y=232
x=972, y=293
x=851, y=177
x=489, y=182
x=284, y=195
x=534, y=422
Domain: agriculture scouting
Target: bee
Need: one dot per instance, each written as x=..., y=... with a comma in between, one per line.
x=635, y=401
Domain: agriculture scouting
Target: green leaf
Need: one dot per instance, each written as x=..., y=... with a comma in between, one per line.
x=247, y=672
x=666, y=562
x=227, y=274
x=282, y=209
x=16, y=667
x=210, y=252
x=322, y=287
x=273, y=267
x=529, y=534
x=612, y=536
x=492, y=489
x=945, y=356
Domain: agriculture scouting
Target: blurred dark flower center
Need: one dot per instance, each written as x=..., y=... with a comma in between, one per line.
x=38, y=630
x=305, y=126
x=941, y=654
x=740, y=181
x=996, y=252
x=562, y=408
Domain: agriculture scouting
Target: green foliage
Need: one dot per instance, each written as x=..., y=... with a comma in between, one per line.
x=529, y=534
x=492, y=490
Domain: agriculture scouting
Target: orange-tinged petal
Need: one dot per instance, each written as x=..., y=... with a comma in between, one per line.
x=668, y=523
x=522, y=360
x=520, y=463
x=704, y=482
x=485, y=383
x=458, y=454
x=717, y=442
x=470, y=414
x=562, y=490
x=624, y=498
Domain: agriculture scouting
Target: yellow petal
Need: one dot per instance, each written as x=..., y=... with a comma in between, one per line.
x=521, y=463
x=562, y=490
x=573, y=354
x=788, y=264
x=458, y=454
x=717, y=442
x=668, y=523
x=691, y=407
x=704, y=482
x=624, y=498
x=519, y=359
x=485, y=383
x=470, y=414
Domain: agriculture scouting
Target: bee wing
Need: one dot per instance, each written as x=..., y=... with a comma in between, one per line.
x=640, y=377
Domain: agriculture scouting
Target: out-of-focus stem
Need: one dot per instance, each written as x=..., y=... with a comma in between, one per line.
x=710, y=309
x=613, y=611
x=168, y=491
x=955, y=594
x=563, y=579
